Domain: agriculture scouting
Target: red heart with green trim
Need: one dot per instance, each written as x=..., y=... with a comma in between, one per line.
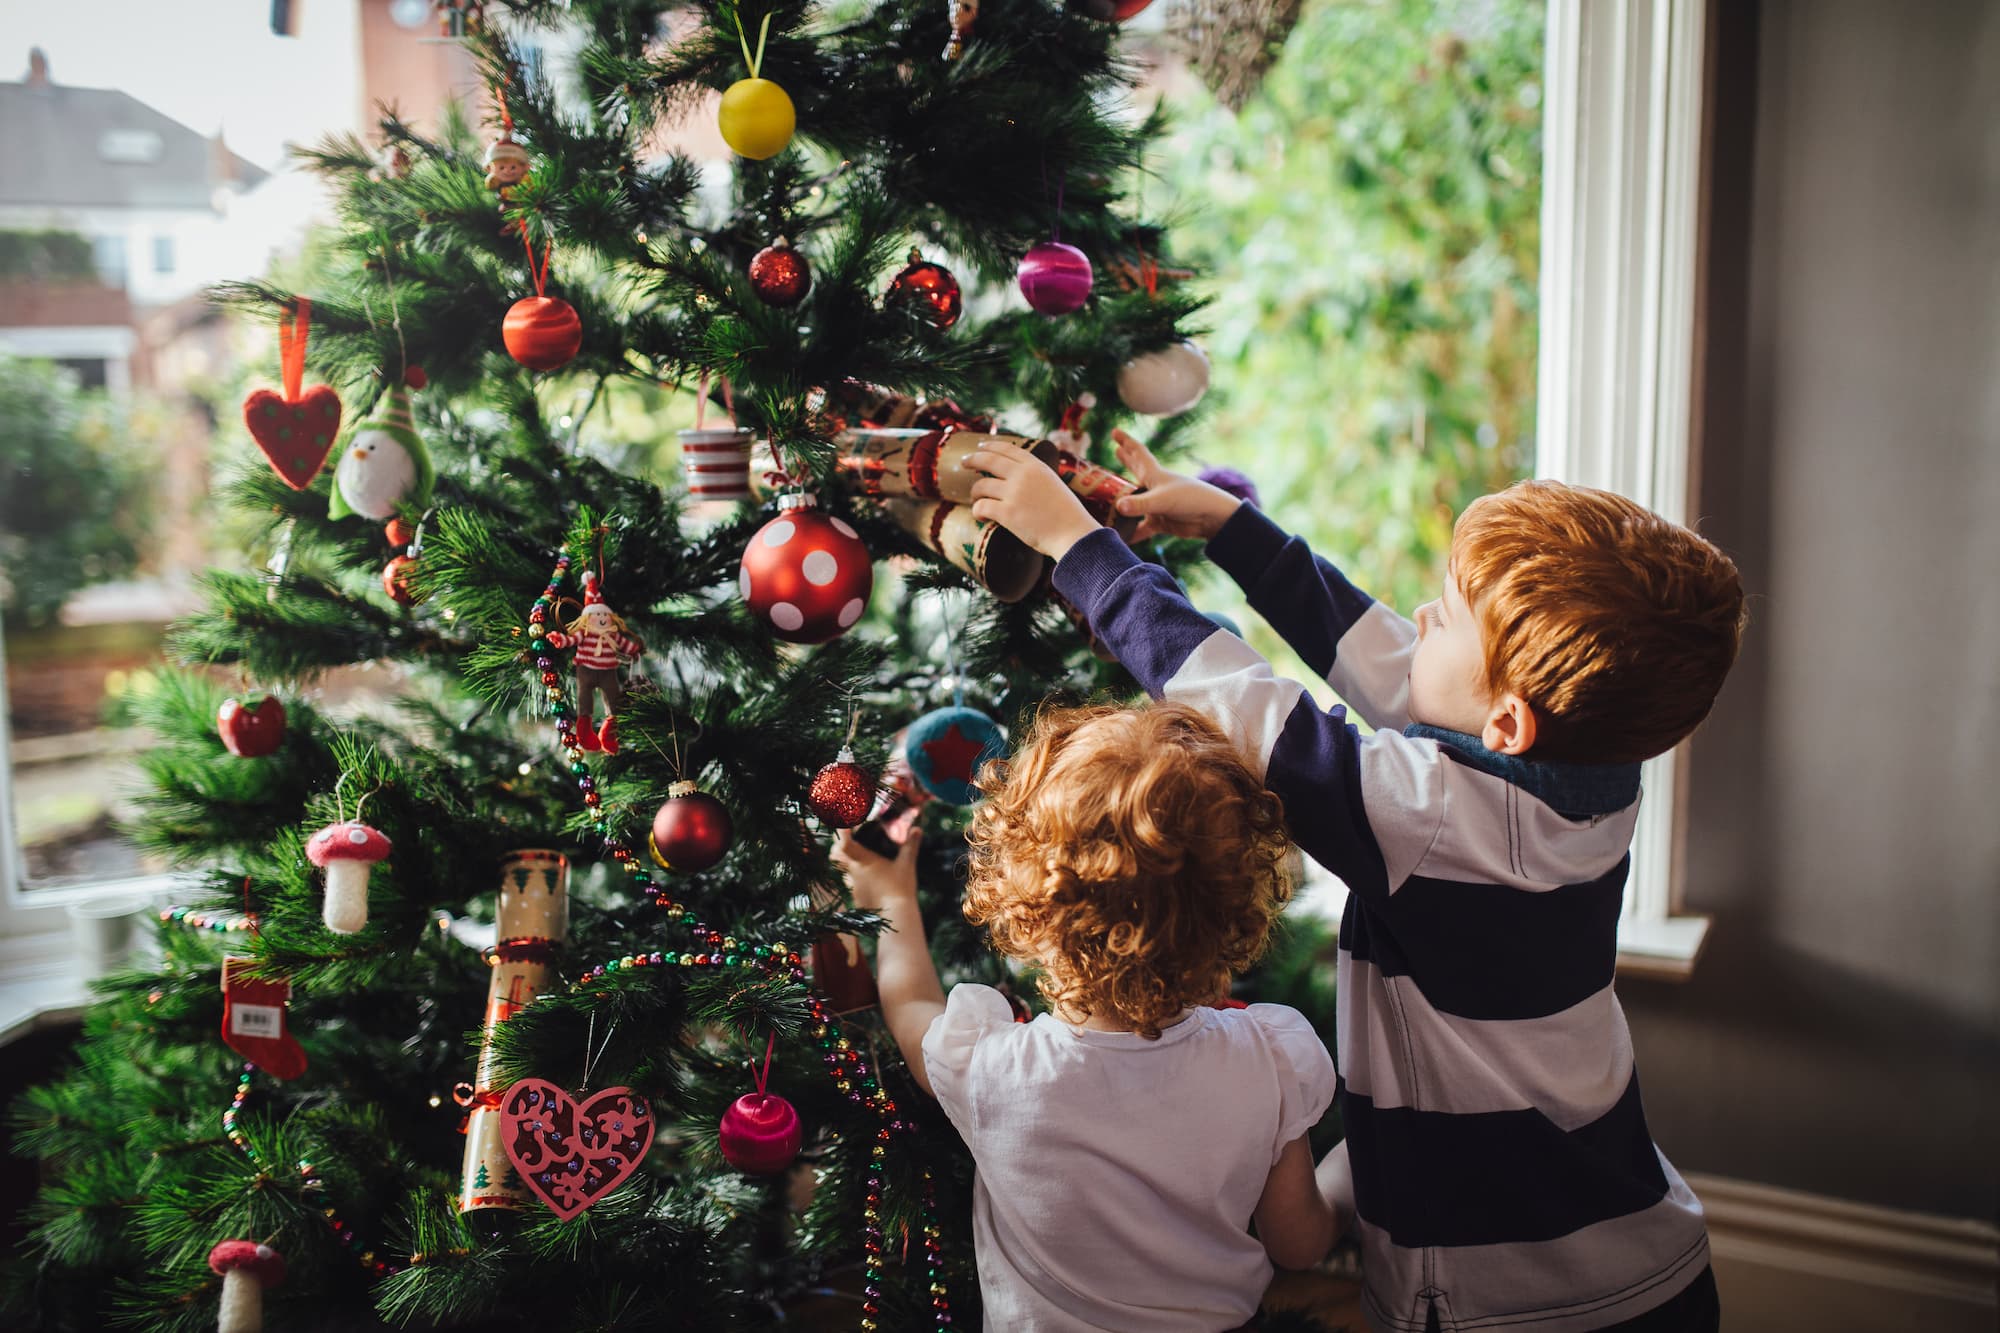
x=296, y=435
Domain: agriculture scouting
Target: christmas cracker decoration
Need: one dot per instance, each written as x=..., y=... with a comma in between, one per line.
x=923, y=464
x=998, y=560
x=533, y=918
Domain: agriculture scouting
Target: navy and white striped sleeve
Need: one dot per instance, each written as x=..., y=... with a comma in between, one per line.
x=1329, y=778
x=1360, y=646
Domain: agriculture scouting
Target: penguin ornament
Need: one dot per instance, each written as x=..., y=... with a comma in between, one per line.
x=384, y=464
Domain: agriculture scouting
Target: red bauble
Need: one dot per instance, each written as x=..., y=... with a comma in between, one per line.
x=1113, y=11
x=929, y=289
x=251, y=730
x=842, y=793
x=760, y=1134
x=692, y=830
x=398, y=580
x=779, y=274
x=542, y=332
x=807, y=574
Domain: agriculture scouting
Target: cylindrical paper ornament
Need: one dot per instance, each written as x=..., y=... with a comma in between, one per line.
x=999, y=561
x=1100, y=489
x=923, y=465
x=1055, y=277
x=716, y=462
x=533, y=918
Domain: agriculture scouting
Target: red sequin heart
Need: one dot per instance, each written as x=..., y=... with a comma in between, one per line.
x=295, y=434
x=571, y=1156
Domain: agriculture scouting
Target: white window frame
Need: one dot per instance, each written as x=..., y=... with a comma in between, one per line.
x=1622, y=202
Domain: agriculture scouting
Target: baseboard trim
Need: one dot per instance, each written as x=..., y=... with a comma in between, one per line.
x=1819, y=1238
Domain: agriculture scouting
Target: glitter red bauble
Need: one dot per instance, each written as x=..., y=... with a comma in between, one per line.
x=1056, y=278
x=760, y=1134
x=251, y=730
x=398, y=580
x=542, y=332
x=842, y=793
x=929, y=289
x=692, y=830
x=806, y=574
x=780, y=275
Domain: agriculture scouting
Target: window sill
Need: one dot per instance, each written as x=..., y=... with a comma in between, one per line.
x=40, y=984
x=1662, y=950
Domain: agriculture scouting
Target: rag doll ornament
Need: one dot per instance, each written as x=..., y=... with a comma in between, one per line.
x=603, y=645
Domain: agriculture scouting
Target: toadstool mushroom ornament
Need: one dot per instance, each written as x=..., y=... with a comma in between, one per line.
x=247, y=1269
x=347, y=851
x=384, y=464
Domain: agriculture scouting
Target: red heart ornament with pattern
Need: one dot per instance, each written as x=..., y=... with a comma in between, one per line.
x=296, y=434
x=569, y=1155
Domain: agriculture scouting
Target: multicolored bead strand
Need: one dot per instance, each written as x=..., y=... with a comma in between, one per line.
x=215, y=921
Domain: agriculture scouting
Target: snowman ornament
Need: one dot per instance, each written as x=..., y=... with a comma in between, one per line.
x=384, y=464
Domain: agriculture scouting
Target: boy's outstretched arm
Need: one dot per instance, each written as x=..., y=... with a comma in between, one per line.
x=1331, y=781
x=912, y=995
x=1358, y=645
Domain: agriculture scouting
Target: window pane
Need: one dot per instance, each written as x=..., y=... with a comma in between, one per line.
x=163, y=254
x=109, y=252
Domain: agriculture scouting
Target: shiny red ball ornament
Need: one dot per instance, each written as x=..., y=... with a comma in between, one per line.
x=1113, y=11
x=253, y=729
x=806, y=574
x=1056, y=278
x=398, y=581
x=760, y=1134
x=842, y=793
x=691, y=831
x=929, y=289
x=542, y=332
x=779, y=274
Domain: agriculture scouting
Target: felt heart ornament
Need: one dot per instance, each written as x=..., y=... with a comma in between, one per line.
x=572, y=1155
x=295, y=434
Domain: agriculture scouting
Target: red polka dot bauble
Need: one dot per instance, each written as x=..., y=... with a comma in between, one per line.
x=842, y=793
x=929, y=290
x=1056, y=278
x=692, y=830
x=760, y=1134
x=806, y=574
x=542, y=332
x=779, y=274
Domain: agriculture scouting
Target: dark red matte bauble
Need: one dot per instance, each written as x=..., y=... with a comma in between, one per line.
x=780, y=275
x=398, y=580
x=842, y=793
x=542, y=332
x=806, y=574
x=929, y=289
x=251, y=730
x=760, y=1134
x=692, y=830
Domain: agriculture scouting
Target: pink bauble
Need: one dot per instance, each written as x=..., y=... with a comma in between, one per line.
x=806, y=574
x=760, y=1134
x=1056, y=278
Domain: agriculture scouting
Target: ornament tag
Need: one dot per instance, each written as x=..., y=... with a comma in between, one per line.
x=256, y=1020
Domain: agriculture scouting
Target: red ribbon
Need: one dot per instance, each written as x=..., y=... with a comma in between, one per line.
x=765, y=1072
x=292, y=327
x=540, y=275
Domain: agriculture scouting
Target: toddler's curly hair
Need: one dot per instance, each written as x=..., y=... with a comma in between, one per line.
x=1133, y=855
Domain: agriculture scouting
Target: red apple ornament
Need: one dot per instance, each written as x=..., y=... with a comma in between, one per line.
x=251, y=728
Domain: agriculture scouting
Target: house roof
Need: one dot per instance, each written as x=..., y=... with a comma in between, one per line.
x=97, y=148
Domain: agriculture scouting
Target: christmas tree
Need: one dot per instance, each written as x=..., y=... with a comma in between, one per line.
x=546, y=1124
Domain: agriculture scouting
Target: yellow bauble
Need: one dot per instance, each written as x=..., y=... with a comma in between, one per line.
x=757, y=118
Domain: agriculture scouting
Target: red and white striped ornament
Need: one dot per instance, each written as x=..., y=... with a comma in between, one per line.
x=716, y=462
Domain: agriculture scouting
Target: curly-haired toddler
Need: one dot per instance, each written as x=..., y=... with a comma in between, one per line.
x=1127, y=1141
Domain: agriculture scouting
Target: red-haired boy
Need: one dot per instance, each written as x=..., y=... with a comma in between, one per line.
x=1497, y=1165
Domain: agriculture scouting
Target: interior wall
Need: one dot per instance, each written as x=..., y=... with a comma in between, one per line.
x=1843, y=1034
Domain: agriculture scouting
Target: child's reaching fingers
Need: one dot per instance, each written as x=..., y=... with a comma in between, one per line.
x=1136, y=458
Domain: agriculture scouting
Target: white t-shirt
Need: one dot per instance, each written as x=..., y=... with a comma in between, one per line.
x=1117, y=1176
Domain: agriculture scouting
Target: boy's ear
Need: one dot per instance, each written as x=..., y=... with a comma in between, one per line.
x=1510, y=727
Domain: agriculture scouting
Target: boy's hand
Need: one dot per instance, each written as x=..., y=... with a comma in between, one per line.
x=876, y=882
x=1176, y=505
x=1025, y=496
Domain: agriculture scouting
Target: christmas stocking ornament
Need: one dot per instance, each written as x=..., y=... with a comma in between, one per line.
x=253, y=1020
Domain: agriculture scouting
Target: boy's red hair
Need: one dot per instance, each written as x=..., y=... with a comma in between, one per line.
x=1133, y=855
x=1616, y=625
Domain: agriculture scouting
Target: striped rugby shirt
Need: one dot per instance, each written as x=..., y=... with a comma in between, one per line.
x=1504, y=1177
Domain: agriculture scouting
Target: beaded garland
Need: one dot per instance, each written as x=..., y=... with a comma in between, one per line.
x=846, y=1066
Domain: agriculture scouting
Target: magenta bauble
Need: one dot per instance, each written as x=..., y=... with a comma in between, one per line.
x=1055, y=277
x=806, y=574
x=760, y=1134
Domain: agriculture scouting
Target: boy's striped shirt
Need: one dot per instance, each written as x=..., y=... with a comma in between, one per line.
x=1504, y=1175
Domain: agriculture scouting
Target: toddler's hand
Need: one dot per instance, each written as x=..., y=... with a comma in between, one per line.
x=1025, y=496
x=1172, y=503
x=876, y=881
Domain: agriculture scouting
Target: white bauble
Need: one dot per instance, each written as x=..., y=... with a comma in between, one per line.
x=1164, y=383
x=375, y=472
